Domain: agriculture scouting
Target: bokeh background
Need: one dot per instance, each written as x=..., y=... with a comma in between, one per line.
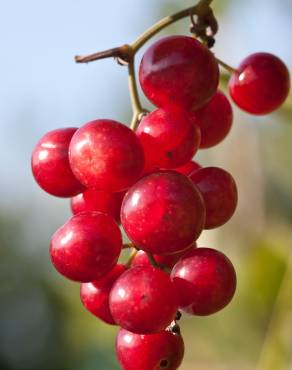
x=42, y=323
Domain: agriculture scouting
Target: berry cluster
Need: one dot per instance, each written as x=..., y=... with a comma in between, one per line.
x=146, y=182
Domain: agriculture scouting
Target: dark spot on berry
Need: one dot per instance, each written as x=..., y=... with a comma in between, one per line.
x=144, y=297
x=178, y=316
x=175, y=329
x=164, y=364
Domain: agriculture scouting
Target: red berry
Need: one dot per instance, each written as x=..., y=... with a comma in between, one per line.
x=219, y=191
x=106, y=155
x=95, y=295
x=261, y=83
x=205, y=280
x=188, y=168
x=100, y=201
x=143, y=300
x=164, y=350
x=163, y=213
x=214, y=120
x=168, y=137
x=179, y=71
x=50, y=164
x=164, y=260
x=86, y=247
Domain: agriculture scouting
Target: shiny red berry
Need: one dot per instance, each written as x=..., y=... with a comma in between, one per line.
x=188, y=168
x=214, y=120
x=219, y=191
x=164, y=260
x=95, y=295
x=86, y=247
x=164, y=350
x=261, y=83
x=179, y=71
x=143, y=300
x=100, y=201
x=168, y=137
x=50, y=164
x=106, y=155
x=205, y=280
x=163, y=213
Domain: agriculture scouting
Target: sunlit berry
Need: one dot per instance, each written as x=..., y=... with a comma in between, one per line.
x=106, y=155
x=179, y=71
x=163, y=213
x=50, y=164
x=261, y=83
x=205, y=280
x=164, y=350
x=86, y=247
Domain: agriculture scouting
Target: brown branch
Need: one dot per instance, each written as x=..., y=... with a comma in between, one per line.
x=123, y=52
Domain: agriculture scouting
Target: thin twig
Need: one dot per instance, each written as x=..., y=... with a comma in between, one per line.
x=126, y=53
x=201, y=9
x=133, y=253
x=123, y=52
x=226, y=66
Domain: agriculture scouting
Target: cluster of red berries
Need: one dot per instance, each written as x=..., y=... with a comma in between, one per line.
x=147, y=182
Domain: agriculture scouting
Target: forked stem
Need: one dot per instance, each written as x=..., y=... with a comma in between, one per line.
x=152, y=260
x=226, y=66
x=201, y=9
x=133, y=253
x=134, y=95
x=126, y=53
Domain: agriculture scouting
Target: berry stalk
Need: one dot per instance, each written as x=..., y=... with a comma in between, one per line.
x=125, y=54
x=134, y=95
x=201, y=10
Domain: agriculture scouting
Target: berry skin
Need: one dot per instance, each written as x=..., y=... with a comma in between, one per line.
x=261, y=83
x=214, y=120
x=159, y=351
x=86, y=247
x=219, y=191
x=164, y=260
x=205, y=280
x=179, y=71
x=163, y=213
x=100, y=201
x=95, y=295
x=188, y=168
x=168, y=137
x=143, y=300
x=106, y=155
x=50, y=164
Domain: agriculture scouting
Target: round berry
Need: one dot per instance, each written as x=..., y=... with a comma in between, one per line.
x=106, y=155
x=188, y=168
x=163, y=213
x=164, y=260
x=219, y=191
x=95, y=295
x=261, y=83
x=86, y=247
x=143, y=300
x=164, y=350
x=50, y=164
x=214, y=120
x=205, y=280
x=179, y=71
x=168, y=137
x=98, y=200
